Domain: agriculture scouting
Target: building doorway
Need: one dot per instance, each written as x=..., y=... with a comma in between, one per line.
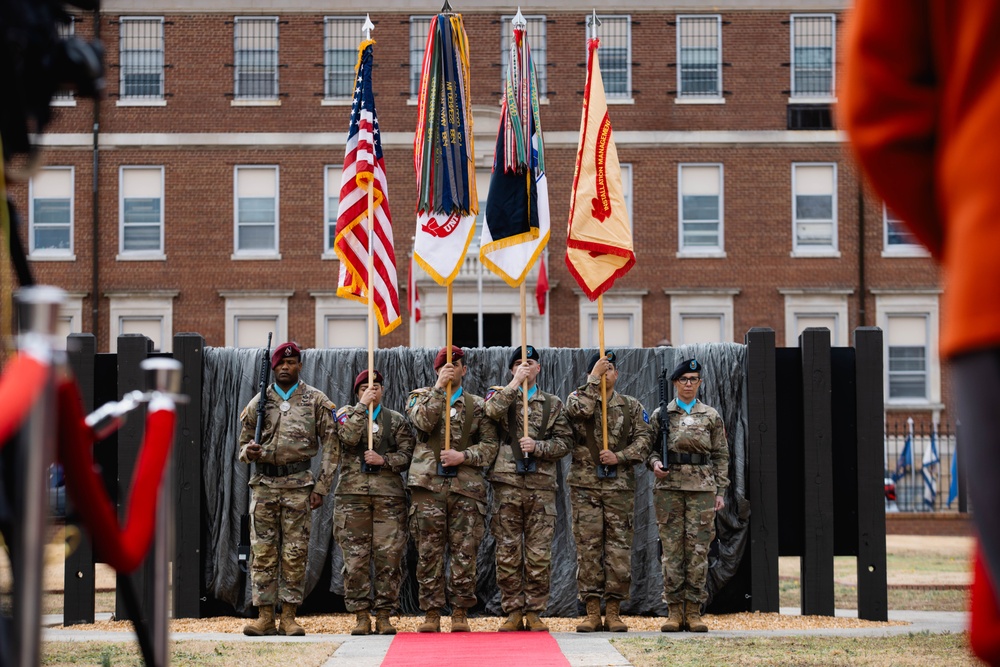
x=496, y=329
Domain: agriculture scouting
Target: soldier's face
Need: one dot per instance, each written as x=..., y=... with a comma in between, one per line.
x=377, y=388
x=532, y=366
x=686, y=386
x=287, y=372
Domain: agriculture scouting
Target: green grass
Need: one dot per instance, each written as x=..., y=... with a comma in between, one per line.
x=896, y=650
x=183, y=653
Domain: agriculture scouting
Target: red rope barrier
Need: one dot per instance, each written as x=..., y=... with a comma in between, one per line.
x=22, y=381
x=122, y=549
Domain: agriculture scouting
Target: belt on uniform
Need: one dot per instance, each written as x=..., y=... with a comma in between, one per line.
x=693, y=459
x=282, y=471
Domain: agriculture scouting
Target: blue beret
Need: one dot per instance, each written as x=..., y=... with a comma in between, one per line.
x=686, y=366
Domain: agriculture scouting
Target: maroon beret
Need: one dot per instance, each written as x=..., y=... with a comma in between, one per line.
x=363, y=379
x=441, y=358
x=285, y=350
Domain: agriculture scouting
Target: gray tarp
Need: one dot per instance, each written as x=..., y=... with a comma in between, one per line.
x=230, y=382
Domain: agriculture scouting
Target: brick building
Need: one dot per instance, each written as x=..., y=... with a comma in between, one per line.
x=219, y=148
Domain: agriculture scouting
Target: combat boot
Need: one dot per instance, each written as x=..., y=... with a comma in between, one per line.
x=264, y=625
x=287, y=625
x=693, y=619
x=364, y=626
x=593, y=621
x=534, y=623
x=459, y=621
x=675, y=619
x=383, y=625
x=612, y=621
x=513, y=623
x=432, y=622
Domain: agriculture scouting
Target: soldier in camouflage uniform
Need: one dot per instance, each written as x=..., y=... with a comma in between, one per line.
x=369, y=519
x=448, y=512
x=603, y=507
x=299, y=421
x=690, y=488
x=524, y=504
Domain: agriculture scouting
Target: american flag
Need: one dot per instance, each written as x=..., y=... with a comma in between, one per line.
x=363, y=165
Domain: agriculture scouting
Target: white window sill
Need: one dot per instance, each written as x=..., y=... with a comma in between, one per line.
x=699, y=100
x=141, y=257
x=63, y=103
x=620, y=100
x=912, y=404
x=701, y=254
x=255, y=103
x=906, y=251
x=812, y=100
x=813, y=254
x=328, y=255
x=141, y=103
x=245, y=256
x=412, y=102
x=51, y=257
x=344, y=102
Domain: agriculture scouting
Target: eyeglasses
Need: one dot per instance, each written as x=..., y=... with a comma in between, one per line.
x=689, y=380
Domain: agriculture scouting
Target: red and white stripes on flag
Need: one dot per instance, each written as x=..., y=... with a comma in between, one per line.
x=364, y=167
x=412, y=295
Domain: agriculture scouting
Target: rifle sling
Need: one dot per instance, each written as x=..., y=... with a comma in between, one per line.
x=588, y=431
x=436, y=438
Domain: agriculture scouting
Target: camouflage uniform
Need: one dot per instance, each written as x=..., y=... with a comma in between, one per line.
x=448, y=512
x=603, y=508
x=369, y=519
x=279, y=507
x=524, y=506
x=685, y=500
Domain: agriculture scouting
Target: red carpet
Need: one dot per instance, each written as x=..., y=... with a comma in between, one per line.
x=482, y=649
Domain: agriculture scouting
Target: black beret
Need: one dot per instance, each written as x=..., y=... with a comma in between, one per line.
x=597, y=355
x=686, y=366
x=530, y=351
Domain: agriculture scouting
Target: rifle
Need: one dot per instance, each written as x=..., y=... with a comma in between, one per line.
x=243, y=554
x=664, y=419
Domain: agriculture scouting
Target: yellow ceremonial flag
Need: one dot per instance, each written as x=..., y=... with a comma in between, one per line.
x=599, y=239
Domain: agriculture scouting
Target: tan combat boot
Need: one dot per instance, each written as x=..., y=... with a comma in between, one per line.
x=287, y=625
x=264, y=625
x=675, y=619
x=459, y=621
x=432, y=622
x=513, y=623
x=612, y=621
x=593, y=621
x=693, y=619
x=383, y=625
x=534, y=623
x=364, y=626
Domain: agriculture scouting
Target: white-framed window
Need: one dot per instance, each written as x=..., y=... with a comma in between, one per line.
x=256, y=57
x=700, y=209
x=70, y=320
x=699, y=57
x=897, y=240
x=250, y=316
x=622, y=319
x=140, y=42
x=340, y=322
x=148, y=313
x=615, y=55
x=256, y=212
x=536, y=42
x=419, y=27
x=50, y=215
x=483, y=176
x=626, y=171
x=65, y=98
x=140, y=212
x=804, y=309
x=814, y=208
x=910, y=322
x=331, y=202
x=701, y=316
x=813, y=45
x=340, y=55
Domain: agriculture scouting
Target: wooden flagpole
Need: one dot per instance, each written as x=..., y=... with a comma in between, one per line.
x=447, y=392
x=524, y=358
x=604, y=378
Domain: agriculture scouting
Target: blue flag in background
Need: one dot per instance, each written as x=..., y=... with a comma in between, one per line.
x=953, y=487
x=928, y=470
x=905, y=462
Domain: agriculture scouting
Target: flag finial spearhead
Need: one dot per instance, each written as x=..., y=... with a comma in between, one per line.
x=368, y=27
x=519, y=21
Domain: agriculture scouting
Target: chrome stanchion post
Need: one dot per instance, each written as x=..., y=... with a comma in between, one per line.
x=38, y=314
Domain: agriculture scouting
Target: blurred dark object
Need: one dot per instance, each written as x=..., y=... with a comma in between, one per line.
x=36, y=63
x=57, y=491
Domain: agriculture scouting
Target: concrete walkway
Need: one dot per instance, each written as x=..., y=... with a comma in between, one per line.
x=581, y=650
